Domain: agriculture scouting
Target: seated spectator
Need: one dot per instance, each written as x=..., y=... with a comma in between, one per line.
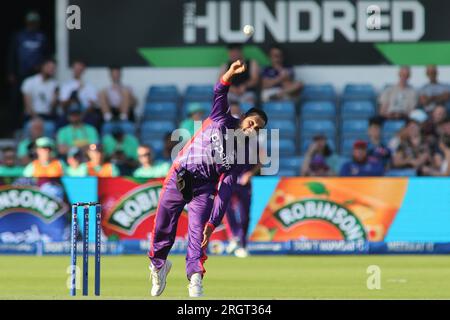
x=439, y=161
x=418, y=116
x=399, y=100
x=9, y=166
x=119, y=141
x=76, y=133
x=433, y=93
x=45, y=165
x=77, y=90
x=117, y=101
x=149, y=167
x=278, y=81
x=26, y=147
x=431, y=126
x=40, y=92
x=361, y=164
x=97, y=166
x=444, y=127
x=244, y=85
x=412, y=152
x=76, y=167
x=444, y=146
x=319, y=159
x=195, y=114
x=376, y=148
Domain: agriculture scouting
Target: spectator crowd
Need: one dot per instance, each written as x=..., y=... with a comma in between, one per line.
x=76, y=112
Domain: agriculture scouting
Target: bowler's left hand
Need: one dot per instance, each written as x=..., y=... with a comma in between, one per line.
x=207, y=232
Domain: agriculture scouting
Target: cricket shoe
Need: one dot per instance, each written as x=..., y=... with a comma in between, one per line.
x=241, y=253
x=159, y=278
x=195, y=286
x=232, y=246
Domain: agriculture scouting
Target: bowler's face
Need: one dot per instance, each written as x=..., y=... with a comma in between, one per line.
x=252, y=124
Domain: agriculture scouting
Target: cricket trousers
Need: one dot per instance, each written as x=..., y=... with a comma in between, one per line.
x=170, y=206
x=240, y=201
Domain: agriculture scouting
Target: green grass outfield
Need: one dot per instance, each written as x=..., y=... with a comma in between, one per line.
x=260, y=277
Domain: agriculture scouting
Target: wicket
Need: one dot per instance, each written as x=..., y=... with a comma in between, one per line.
x=85, y=237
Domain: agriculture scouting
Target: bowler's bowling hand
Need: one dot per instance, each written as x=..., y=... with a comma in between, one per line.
x=209, y=228
x=235, y=68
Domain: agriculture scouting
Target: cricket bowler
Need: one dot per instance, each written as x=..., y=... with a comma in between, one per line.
x=201, y=176
x=240, y=202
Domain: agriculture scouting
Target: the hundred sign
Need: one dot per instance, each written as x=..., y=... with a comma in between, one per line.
x=305, y=21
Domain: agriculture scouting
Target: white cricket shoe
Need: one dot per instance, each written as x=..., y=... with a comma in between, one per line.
x=159, y=278
x=241, y=253
x=232, y=246
x=195, y=286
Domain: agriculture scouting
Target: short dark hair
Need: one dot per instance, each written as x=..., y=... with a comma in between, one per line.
x=256, y=111
x=8, y=149
x=78, y=60
x=376, y=120
x=145, y=146
x=446, y=120
x=234, y=45
x=45, y=61
x=276, y=46
x=115, y=67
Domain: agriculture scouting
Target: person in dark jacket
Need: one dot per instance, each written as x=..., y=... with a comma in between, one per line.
x=27, y=50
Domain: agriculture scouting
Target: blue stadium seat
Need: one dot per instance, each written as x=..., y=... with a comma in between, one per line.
x=401, y=173
x=357, y=109
x=280, y=110
x=287, y=128
x=156, y=144
x=49, y=129
x=354, y=91
x=199, y=93
x=306, y=141
x=312, y=127
x=291, y=163
x=318, y=109
x=354, y=127
x=391, y=127
x=156, y=129
x=206, y=106
x=287, y=147
x=165, y=93
x=287, y=173
x=160, y=111
x=318, y=92
x=127, y=126
x=245, y=106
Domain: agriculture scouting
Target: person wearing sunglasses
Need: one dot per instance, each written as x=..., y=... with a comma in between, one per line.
x=149, y=168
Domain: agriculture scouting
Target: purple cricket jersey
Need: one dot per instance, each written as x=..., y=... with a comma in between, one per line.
x=206, y=156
